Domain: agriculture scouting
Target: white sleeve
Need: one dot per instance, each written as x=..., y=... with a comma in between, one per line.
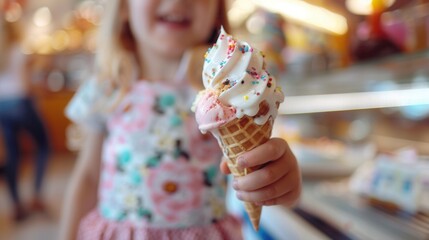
x=85, y=108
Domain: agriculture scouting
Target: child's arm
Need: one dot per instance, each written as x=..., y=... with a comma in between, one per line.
x=81, y=195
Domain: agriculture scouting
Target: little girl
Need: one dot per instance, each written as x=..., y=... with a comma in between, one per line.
x=145, y=171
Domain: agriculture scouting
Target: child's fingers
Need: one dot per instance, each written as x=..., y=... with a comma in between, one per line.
x=269, y=174
x=271, y=150
x=272, y=191
x=284, y=185
x=289, y=199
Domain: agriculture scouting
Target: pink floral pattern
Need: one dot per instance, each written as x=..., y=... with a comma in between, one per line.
x=176, y=187
x=158, y=169
x=132, y=113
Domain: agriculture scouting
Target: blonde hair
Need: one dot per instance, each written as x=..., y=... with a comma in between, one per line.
x=116, y=60
x=10, y=34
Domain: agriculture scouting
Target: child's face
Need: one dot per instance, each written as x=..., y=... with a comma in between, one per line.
x=169, y=27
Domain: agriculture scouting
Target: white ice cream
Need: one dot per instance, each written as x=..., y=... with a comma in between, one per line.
x=237, y=72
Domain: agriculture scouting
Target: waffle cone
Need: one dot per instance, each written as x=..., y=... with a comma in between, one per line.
x=239, y=136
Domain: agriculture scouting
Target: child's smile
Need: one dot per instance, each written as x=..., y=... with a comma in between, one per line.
x=174, y=21
x=170, y=27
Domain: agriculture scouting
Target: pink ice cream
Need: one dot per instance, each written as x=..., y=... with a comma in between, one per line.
x=236, y=83
x=210, y=113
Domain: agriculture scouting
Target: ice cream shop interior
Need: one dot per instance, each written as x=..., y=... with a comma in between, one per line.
x=355, y=79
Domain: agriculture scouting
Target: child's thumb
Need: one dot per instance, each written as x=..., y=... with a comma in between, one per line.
x=224, y=167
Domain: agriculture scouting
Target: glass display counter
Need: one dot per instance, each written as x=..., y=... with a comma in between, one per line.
x=339, y=120
x=401, y=80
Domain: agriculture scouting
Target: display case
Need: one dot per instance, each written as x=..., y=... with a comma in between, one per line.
x=338, y=122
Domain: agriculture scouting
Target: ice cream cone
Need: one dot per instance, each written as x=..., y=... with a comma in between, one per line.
x=239, y=103
x=253, y=211
x=239, y=136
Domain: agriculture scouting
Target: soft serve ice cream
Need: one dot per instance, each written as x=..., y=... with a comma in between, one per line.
x=236, y=83
x=239, y=103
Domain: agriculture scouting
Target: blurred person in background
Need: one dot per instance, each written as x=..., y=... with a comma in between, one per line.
x=271, y=39
x=17, y=114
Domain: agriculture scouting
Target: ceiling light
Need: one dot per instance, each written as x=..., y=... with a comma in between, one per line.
x=240, y=11
x=42, y=17
x=13, y=13
x=365, y=7
x=307, y=14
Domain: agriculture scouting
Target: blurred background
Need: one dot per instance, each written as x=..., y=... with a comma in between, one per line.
x=356, y=114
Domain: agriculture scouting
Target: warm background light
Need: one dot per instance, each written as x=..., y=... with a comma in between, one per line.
x=307, y=14
x=240, y=11
x=14, y=12
x=300, y=11
x=365, y=7
x=42, y=17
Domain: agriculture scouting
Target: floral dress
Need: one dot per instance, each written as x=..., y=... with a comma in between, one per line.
x=160, y=176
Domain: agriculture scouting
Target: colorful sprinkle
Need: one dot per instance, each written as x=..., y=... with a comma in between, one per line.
x=222, y=64
x=252, y=72
x=206, y=56
x=209, y=77
x=231, y=46
x=246, y=97
x=245, y=48
x=208, y=52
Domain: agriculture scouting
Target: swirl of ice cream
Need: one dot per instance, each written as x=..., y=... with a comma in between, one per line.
x=210, y=113
x=236, y=71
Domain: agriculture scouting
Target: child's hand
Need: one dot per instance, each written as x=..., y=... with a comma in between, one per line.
x=277, y=181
